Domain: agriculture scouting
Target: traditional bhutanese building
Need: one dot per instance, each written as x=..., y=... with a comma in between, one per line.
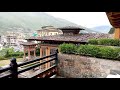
x=48, y=31
x=48, y=44
x=30, y=49
x=70, y=35
x=114, y=19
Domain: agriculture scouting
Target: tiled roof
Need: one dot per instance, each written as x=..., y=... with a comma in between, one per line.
x=74, y=38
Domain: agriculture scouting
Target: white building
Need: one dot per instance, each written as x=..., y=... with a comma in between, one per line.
x=48, y=31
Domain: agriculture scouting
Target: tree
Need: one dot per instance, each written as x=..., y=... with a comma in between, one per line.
x=112, y=30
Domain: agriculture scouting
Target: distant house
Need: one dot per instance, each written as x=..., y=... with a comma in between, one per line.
x=11, y=40
x=20, y=36
x=48, y=31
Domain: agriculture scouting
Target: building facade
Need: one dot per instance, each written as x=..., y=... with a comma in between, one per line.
x=48, y=31
x=70, y=34
x=11, y=40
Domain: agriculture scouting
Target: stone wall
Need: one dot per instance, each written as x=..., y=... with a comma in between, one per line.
x=76, y=66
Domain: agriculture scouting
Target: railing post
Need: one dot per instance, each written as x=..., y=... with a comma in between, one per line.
x=14, y=68
x=56, y=61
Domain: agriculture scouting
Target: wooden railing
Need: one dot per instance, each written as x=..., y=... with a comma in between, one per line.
x=46, y=73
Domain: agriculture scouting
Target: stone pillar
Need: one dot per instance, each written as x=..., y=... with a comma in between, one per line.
x=117, y=33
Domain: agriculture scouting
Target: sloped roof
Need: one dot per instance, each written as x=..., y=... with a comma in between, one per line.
x=114, y=18
x=71, y=27
x=71, y=38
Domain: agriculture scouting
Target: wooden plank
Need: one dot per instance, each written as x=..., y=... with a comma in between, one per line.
x=46, y=73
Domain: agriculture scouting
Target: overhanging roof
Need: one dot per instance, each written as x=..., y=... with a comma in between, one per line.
x=69, y=38
x=71, y=28
x=114, y=18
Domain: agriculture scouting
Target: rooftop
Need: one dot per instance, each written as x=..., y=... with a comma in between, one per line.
x=71, y=28
x=71, y=38
x=114, y=18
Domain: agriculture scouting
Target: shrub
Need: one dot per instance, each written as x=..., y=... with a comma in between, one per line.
x=2, y=58
x=118, y=52
x=110, y=42
x=89, y=50
x=9, y=52
x=108, y=53
x=16, y=54
x=104, y=41
x=68, y=48
x=93, y=41
x=37, y=51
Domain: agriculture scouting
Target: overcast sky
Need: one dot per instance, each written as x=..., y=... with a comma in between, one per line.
x=87, y=19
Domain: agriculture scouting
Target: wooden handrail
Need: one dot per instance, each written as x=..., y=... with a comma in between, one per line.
x=13, y=68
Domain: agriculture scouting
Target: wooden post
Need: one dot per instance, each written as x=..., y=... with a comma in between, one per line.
x=24, y=57
x=41, y=56
x=29, y=54
x=47, y=54
x=40, y=52
x=34, y=53
x=56, y=61
x=46, y=50
x=14, y=68
x=117, y=33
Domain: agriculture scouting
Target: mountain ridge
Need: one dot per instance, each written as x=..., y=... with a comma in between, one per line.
x=102, y=28
x=30, y=21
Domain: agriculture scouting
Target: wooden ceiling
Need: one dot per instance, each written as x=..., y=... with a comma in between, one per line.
x=114, y=18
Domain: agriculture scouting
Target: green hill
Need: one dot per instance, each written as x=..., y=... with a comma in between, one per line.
x=28, y=21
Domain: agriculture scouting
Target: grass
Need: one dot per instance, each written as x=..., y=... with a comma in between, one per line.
x=7, y=61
